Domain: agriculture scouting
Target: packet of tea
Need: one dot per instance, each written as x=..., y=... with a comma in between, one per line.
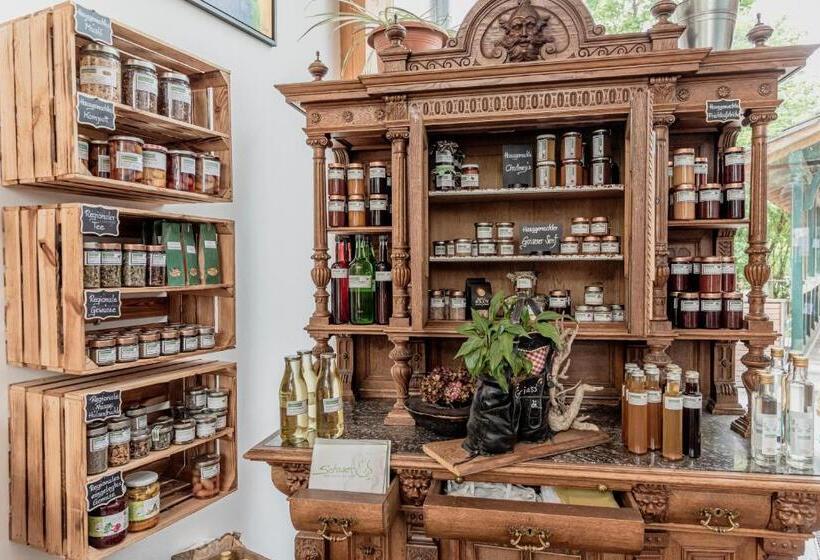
x=209, y=254
x=193, y=275
x=174, y=261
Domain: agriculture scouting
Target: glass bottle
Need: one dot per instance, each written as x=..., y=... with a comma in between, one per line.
x=339, y=288
x=672, y=418
x=655, y=407
x=293, y=408
x=330, y=418
x=800, y=417
x=629, y=369
x=636, y=404
x=362, y=289
x=384, y=284
x=692, y=404
x=310, y=384
x=782, y=379
x=767, y=421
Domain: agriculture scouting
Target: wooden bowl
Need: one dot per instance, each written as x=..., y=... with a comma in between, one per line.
x=441, y=420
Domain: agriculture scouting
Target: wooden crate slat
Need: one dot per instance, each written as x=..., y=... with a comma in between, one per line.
x=30, y=299
x=48, y=270
x=23, y=97
x=8, y=116
x=41, y=87
x=64, y=90
x=74, y=358
x=12, y=259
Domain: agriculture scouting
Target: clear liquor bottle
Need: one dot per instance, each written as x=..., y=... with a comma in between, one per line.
x=767, y=421
x=361, y=280
x=293, y=405
x=800, y=417
x=309, y=375
x=330, y=419
x=780, y=370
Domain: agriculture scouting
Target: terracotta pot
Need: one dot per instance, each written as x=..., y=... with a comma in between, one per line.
x=421, y=36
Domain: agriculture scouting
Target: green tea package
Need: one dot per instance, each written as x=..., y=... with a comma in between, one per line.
x=192, y=272
x=209, y=254
x=174, y=261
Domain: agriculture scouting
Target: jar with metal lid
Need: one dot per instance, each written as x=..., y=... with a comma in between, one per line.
x=680, y=272
x=683, y=173
x=545, y=148
x=734, y=165
x=162, y=434
x=207, y=338
x=484, y=230
x=140, y=85
x=602, y=314
x=189, y=338
x=572, y=173
x=734, y=201
x=709, y=195
x=99, y=72
x=337, y=211
x=559, y=302
x=439, y=248
x=684, y=201
x=591, y=245
x=184, y=431
x=379, y=210
x=458, y=306
x=610, y=245
x=103, y=351
x=732, y=311
x=437, y=308
x=444, y=176
x=584, y=314
x=711, y=275
x=205, y=425
x=356, y=211
x=569, y=245
x=505, y=231
x=599, y=225
x=689, y=310
x=217, y=399
x=170, y=342
x=221, y=418
x=451, y=248
x=99, y=160
x=601, y=144
x=208, y=172
x=572, y=146
x=205, y=478
x=618, y=313
x=126, y=158
x=92, y=257
x=143, y=500
x=119, y=440
x=593, y=295
x=134, y=266
x=463, y=247
x=601, y=171
x=701, y=171
x=96, y=457
x=579, y=226
x=470, y=176
x=150, y=346
x=181, y=174
x=355, y=180
x=487, y=248
x=138, y=415
x=711, y=308
x=336, y=179
x=128, y=348
x=155, y=165
x=546, y=175
x=108, y=524
x=377, y=178
x=140, y=443
x=505, y=248
x=196, y=397
x=175, y=96
x=728, y=281
x=156, y=265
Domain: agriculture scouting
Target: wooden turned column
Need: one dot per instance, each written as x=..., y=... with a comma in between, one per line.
x=322, y=345
x=400, y=256
x=723, y=397
x=755, y=359
x=661, y=124
x=401, y=372
x=320, y=274
x=656, y=352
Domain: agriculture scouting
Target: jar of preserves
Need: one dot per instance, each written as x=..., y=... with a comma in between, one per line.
x=205, y=478
x=709, y=195
x=684, y=200
x=221, y=418
x=711, y=275
x=175, y=96
x=337, y=211
x=729, y=275
x=572, y=146
x=601, y=171
x=103, y=351
x=451, y=248
x=99, y=160
x=683, y=173
x=150, y=346
x=181, y=173
x=487, y=248
x=463, y=247
x=379, y=210
x=599, y=225
x=355, y=180
x=734, y=201
x=545, y=148
x=601, y=144
x=336, y=179
x=155, y=165
x=602, y=314
x=134, y=266
x=584, y=314
x=170, y=342
x=559, y=302
x=196, y=397
x=591, y=245
x=546, y=175
x=680, y=273
x=458, y=306
x=618, y=313
x=610, y=245
x=108, y=524
x=128, y=348
x=444, y=177
x=99, y=73
x=439, y=248
x=92, y=257
x=572, y=173
x=701, y=171
x=119, y=440
x=377, y=178
x=505, y=231
x=207, y=338
x=126, y=158
x=143, y=500
x=161, y=434
x=217, y=399
x=140, y=444
x=569, y=245
x=184, y=431
x=505, y=248
x=579, y=226
x=140, y=85
x=356, y=211
x=688, y=310
x=208, y=170
x=205, y=425
x=96, y=457
x=732, y=310
x=593, y=295
x=138, y=415
x=711, y=308
x=437, y=306
x=734, y=165
x=484, y=230
x=156, y=265
x=189, y=338
x=470, y=176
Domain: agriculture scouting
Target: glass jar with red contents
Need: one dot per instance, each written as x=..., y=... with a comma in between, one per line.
x=709, y=195
x=108, y=524
x=728, y=275
x=701, y=171
x=336, y=179
x=680, y=272
x=336, y=211
x=711, y=275
x=688, y=310
x=733, y=310
x=734, y=201
x=734, y=165
x=181, y=174
x=711, y=310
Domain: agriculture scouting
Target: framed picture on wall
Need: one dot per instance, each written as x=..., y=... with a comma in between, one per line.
x=255, y=17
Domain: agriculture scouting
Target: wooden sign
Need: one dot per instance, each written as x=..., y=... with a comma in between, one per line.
x=96, y=27
x=102, y=304
x=103, y=405
x=104, y=490
x=539, y=238
x=96, y=112
x=100, y=221
x=723, y=110
x=517, y=165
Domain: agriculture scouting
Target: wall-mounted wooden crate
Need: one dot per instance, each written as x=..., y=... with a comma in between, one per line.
x=45, y=314
x=38, y=108
x=48, y=453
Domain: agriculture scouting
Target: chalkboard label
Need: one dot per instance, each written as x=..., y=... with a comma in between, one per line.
x=517, y=163
x=539, y=238
x=99, y=220
x=96, y=27
x=96, y=112
x=723, y=110
x=103, y=405
x=102, y=304
x=104, y=490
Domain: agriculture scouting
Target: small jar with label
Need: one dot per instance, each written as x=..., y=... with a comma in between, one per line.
x=377, y=178
x=570, y=245
x=103, y=351
x=336, y=211
x=709, y=196
x=580, y=226
x=156, y=265
x=221, y=418
x=572, y=173
x=602, y=314
x=470, y=176
x=505, y=231
x=99, y=160
x=119, y=440
x=439, y=248
x=683, y=172
x=444, y=177
x=128, y=348
x=734, y=165
x=601, y=143
x=355, y=180
x=126, y=158
x=217, y=399
x=684, y=202
x=484, y=230
x=458, y=306
x=572, y=146
x=701, y=171
x=463, y=247
x=140, y=444
x=181, y=174
x=189, y=338
x=336, y=179
x=546, y=175
x=108, y=524
x=728, y=281
x=711, y=275
x=584, y=314
x=559, y=302
x=205, y=478
x=593, y=295
x=610, y=245
x=208, y=172
x=356, y=211
x=599, y=225
x=505, y=248
x=175, y=96
x=205, y=425
x=379, y=210
x=732, y=310
x=92, y=256
x=143, y=500
x=451, y=247
x=140, y=85
x=100, y=73
x=150, y=346
x=138, y=415
x=155, y=165
x=734, y=201
x=196, y=398
x=134, y=265
x=618, y=313
x=689, y=310
x=170, y=341
x=487, y=248
x=601, y=170
x=184, y=431
x=591, y=245
x=207, y=338
x=711, y=309
x=680, y=272
x=438, y=310
x=96, y=458
x=84, y=151
x=545, y=148
x=162, y=433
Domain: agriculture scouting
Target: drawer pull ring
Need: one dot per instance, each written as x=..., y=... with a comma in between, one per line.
x=707, y=514
x=344, y=525
x=518, y=533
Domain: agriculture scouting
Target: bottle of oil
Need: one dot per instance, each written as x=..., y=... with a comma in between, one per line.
x=330, y=418
x=672, y=417
x=293, y=404
x=309, y=376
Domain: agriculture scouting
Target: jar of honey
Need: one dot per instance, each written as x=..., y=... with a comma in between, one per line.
x=601, y=171
x=709, y=195
x=545, y=148
x=711, y=310
x=545, y=175
x=684, y=167
x=572, y=146
x=601, y=144
x=684, y=200
x=734, y=165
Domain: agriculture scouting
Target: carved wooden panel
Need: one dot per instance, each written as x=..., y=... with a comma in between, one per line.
x=371, y=377
x=348, y=117
x=309, y=546
x=701, y=546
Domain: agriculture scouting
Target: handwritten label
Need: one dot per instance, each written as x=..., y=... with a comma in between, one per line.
x=539, y=238
x=517, y=162
x=96, y=112
x=102, y=304
x=100, y=221
x=104, y=490
x=103, y=405
x=93, y=25
x=723, y=110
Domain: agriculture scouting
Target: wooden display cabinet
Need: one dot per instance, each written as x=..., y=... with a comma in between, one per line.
x=39, y=117
x=45, y=298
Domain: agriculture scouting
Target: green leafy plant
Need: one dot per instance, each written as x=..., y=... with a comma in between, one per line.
x=491, y=349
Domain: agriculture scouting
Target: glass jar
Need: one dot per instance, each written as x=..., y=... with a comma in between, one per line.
x=156, y=265
x=487, y=248
x=140, y=85
x=336, y=179
x=355, y=180
x=140, y=444
x=584, y=314
x=138, y=415
x=602, y=314
x=694, y=278
x=734, y=201
x=143, y=500
x=545, y=148
x=100, y=71
x=205, y=425
x=150, y=346
x=732, y=310
x=593, y=295
x=189, y=338
x=672, y=308
x=610, y=245
x=96, y=457
x=134, y=266
x=559, y=302
x=618, y=313
x=591, y=245
x=505, y=231
x=569, y=245
x=161, y=434
x=181, y=173
x=684, y=201
x=683, y=173
x=451, y=248
x=217, y=399
x=439, y=248
x=572, y=173
x=463, y=247
x=356, y=211
x=505, y=248
x=83, y=150
x=184, y=432
x=601, y=170
x=470, y=176
x=688, y=310
x=208, y=169
x=337, y=211
x=546, y=175
x=701, y=171
x=379, y=210
x=377, y=178
x=709, y=196
x=734, y=165
x=207, y=338
x=599, y=225
x=579, y=226
x=221, y=418
x=458, y=306
x=444, y=176
x=601, y=144
x=103, y=351
x=119, y=440
x=126, y=158
x=175, y=96
x=154, y=165
x=99, y=159
x=92, y=257
x=572, y=146
x=108, y=524
x=728, y=282
x=205, y=478
x=711, y=309
x=711, y=275
x=196, y=397
x=170, y=342
x=680, y=273
x=474, y=248
x=128, y=348
x=484, y=230
x=437, y=306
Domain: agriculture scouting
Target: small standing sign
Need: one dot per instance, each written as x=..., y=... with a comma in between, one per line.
x=542, y=239
x=517, y=162
x=100, y=221
x=96, y=112
x=102, y=304
x=104, y=490
x=96, y=27
x=723, y=110
x=103, y=405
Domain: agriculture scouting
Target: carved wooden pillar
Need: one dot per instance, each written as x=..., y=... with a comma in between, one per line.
x=401, y=372
x=755, y=359
x=661, y=124
x=344, y=362
x=400, y=255
x=723, y=395
x=320, y=272
x=322, y=344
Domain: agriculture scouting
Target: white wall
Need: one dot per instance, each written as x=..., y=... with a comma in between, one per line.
x=272, y=209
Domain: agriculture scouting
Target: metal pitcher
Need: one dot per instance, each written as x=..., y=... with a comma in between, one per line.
x=709, y=23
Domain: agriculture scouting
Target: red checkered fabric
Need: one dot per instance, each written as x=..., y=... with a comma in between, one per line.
x=538, y=358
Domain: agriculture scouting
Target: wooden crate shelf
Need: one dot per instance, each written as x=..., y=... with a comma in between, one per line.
x=38, y=114
x=45, y=319
x=528, y=258
x=488, y=195
x=367, y=230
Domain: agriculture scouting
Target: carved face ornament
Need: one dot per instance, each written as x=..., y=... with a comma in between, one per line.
x=525, y=32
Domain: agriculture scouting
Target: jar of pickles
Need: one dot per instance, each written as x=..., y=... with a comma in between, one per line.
x=208, y=169
x=126, y=158
x=150, y=345
x=205, y=478
x=175, y=96
x=140, y=85
x=134, y=267
x=143, y=500
x=99, y=159
x=92, y=255
x=181, y=174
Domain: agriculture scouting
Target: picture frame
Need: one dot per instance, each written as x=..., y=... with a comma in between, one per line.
x=265, y=30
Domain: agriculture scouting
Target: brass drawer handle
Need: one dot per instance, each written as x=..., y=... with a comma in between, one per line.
x=518, y=533
x=707, y=514
x=343, y=524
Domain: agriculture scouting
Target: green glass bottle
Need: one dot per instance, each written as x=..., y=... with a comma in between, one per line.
x=361, y=278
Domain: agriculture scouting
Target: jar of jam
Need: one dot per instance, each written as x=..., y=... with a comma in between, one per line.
x=108, y=524
x=569, y=245
x=572, y=146
x=559, y=302
x=181, y=174
x=709, y=195
x=688, y=310
x=126, y=158
x=437, y=308
x=99, y=160
x=580, y=226
x=733, y=310
x=336, y=182
x=610, y=245
x=546, y=175
x=545, y=148
x=484, y=230
x=593, y=295
x=711, y=309
x=711, y=275
x=601, y=144
x=599, y=225
x=487, y=248
x=377, y=178
x=734, y=201
x=618, y=313
x=505, y=231
x=680, y=272
x=729, y=275
x=337, y=211
x=602, y=314
x=591, y=245
x=601, y=171
x=439, y=248
x=505, y=247
x=470, y=177
x=734, y=165
x=356, y=211
x=584, y=314
x=379, y=210
x=684, y=201
x=572, y=173
x=672, y=308
x=464, y=247
x=701, y=171
x=355, y=180
x=683, y=172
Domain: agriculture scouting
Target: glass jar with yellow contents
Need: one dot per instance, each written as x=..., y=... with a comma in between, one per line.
x=143, y=500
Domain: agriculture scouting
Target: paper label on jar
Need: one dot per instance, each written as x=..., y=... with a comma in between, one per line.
x=591, y=247
x=92, y=258
x=156, y=259
x=128, y=353
x=618, y=315
x=187, y=165
x=463, y=248
x=98, y=443
x=557, y=302
x=295, y=408
x=211, y=167
x=378, y=204
x=143, y=510
x=444, y=181
x=211, y=471
x=711, y=269
x=610, y=247
x=139, y=422
x=437, y=302
x=470, y=181
x=136, y=258
x=735, y=158
x=170, y=346
x=523, y=283
x=570, y=177
x=444, y=156
x=154, y=160
x=338, y=273
x=693, y=401
x=710, y=305
x=637, y=399
x=602, y=316
x=149, y=349
x=598, y=174
x=104, y=356
x=670, y=171
x=107, y=525
x=709, y=195
x=119, y=437
x=801, y=434
x=206, y=429
x=506, y=249
x=184, y=435
x=333, y=404
x=190, y=343
x=734, y=305
x=696, y=268
x=82, y=148
x=384, y=276
x=145, y=82
x=599, y=228
x=111, y=258
x=584, y=316
x=684, y=160
x=104, y=164
x=360, y=281
x=690, y=305
x=458, y=303
x=594, y=298
x=378, y=173
x=506, y=232
x=569, y=147
x=484, y=232
x=355, y=174
x=179, y=93
x=685, y=196
x=735, y=194
x=728, y=268
x=127, y=160
x=486, y=248
x=681, y=269
x=569, y=248
x=98, y=76
x=579, y=229
x=336, y=206
x=545, y=173
x=355, y=206
x=336, y=174
x=207, y=341
x=673, y=403
x=221, y=421
x=598, y=146
x=701, y=169
x=654, y=396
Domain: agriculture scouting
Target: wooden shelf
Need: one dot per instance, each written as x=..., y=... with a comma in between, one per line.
x=707, y=224
x=92, y=369
x=722, y=334
x=347, y=329
x=84, y=183
x=586, y=331
x=159, y=129
x=369, y=230
x=490, y=195
x=528, y=258
x=198, y=288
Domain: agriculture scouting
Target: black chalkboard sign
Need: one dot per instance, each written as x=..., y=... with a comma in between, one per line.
x=100, y=220
x=93, y=25
x=96, y=112
x=539, y=238
x=517, y=165
x=103, y=405
x=102, y=304
x=104, y=490
x=723, y=110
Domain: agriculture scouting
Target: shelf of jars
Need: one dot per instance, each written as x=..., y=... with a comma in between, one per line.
x=97, y=107
x=531, y=193
x=91, y=289
x=526, y=258
x=708, y=224
x=100, y=463
x=610, y=330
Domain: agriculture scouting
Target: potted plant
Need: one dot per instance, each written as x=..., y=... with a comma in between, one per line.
x=444, y=404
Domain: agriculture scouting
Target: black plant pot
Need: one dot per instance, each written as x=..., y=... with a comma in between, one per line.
x=532, y=394
x=493, y=424
x=442, y=420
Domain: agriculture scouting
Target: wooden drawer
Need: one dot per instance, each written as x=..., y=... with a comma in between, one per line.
x=752, y=510
x=367, y=514
x=564, y=526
